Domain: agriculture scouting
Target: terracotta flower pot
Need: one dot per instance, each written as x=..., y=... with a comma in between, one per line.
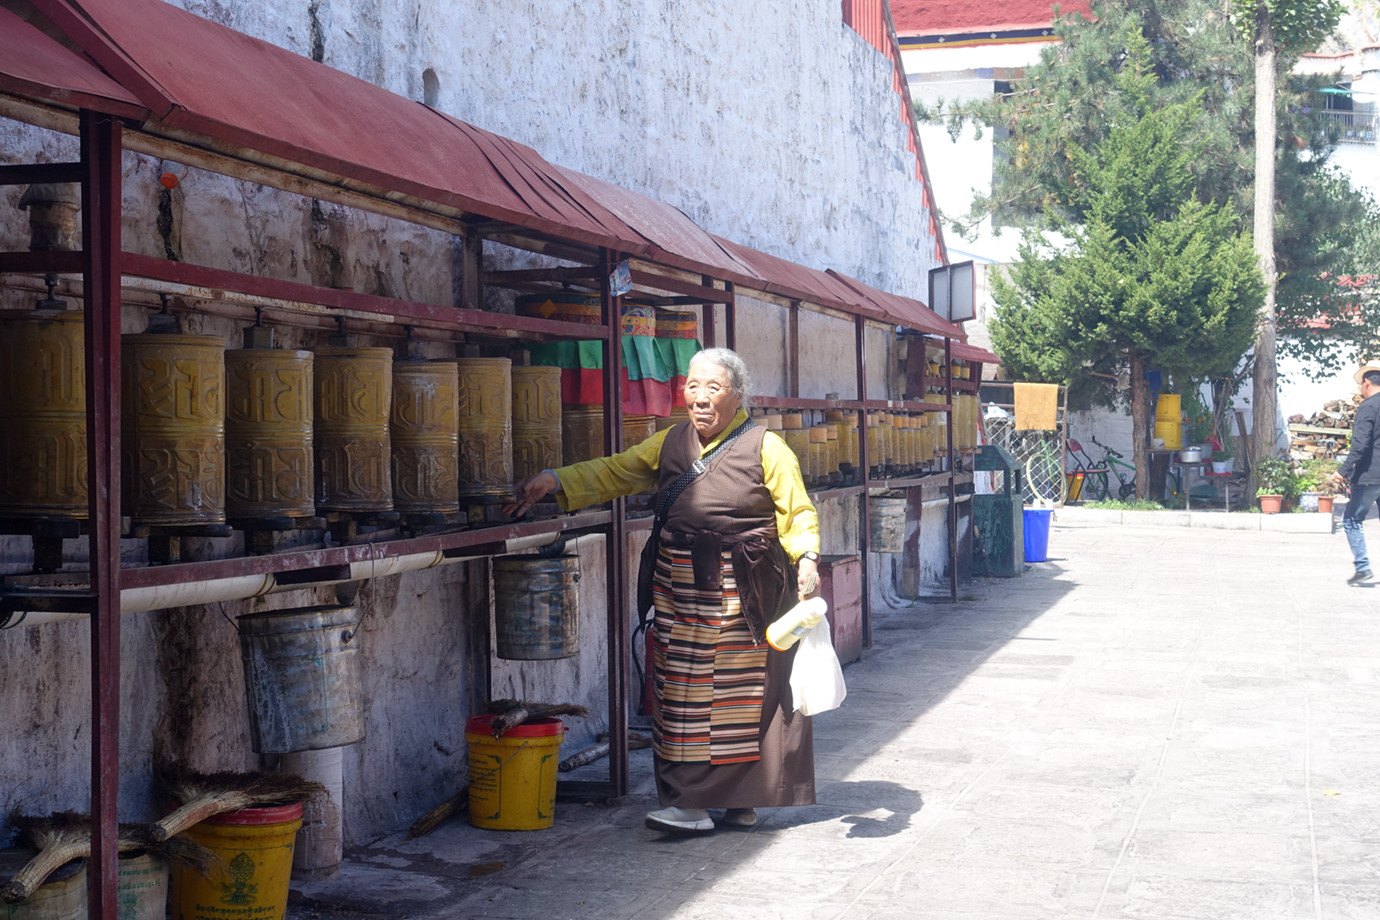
x=1270, y=504
x=1325, y=503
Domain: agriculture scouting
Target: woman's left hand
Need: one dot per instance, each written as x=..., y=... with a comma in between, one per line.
x=807, y=581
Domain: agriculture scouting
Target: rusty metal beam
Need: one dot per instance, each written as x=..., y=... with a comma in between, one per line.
x=558, y=275
x=101, y=193
x=702, y=293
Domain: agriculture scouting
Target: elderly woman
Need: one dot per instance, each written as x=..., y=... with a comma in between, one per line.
x=733, y=518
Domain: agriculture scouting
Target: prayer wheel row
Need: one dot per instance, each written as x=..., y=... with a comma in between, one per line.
x=254, y=433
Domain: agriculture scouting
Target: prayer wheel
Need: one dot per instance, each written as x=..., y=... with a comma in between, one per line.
x=681, y=414
x=797, y=438
x=173, y=414
x=486, y=427
x=426, y=437
x=268, y=433
x=677, y=324
x=818, y=440
x=875, y=449
x=536, y=420
x=639, y=319
x=582, y=433
x=354, y=453
x=831, y=453
x=637, y=428
x=42, y=415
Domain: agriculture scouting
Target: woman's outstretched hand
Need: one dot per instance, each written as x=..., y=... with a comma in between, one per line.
x=531, y=490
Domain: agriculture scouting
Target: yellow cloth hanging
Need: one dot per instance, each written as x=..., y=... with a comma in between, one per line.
x=1037, y=406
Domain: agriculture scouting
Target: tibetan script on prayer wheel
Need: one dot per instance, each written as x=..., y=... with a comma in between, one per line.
x=268, y=433
x=352, y=402
x=426, y=438
x=486, y=427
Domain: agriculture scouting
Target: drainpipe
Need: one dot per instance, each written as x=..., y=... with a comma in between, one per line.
x=243, y=587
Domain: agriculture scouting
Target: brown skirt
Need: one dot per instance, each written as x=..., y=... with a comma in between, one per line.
x=782, y=773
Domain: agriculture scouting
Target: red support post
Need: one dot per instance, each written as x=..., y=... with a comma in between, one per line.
x=616, y=565
x=101, y=142
x=953, y=472
x=860, y=359
x=731, y=318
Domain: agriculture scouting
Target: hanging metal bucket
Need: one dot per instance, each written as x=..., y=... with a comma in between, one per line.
x=536, y=420
x=536, y=607
x=302, y=678
x=42, y=415
x=426, y=437
x=886, y=524
x=486, y=427
x=582, y=433
x=268, y=433
x=173, y=412
x=353, y=396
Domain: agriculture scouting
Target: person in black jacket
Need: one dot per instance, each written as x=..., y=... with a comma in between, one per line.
x=1362, y=469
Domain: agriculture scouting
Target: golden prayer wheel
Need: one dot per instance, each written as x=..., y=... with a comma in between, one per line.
x=797, y=438
x=536, y=420
x=582, y=432
x=42, y=415
x=268, y=433
x=819, y=447
x=173, y=413
x=486, y=427
x=831, y=452
x=354, y=451
x=874, y=443
x=639, y=319
x=637, y=428
x=681, y=414
x=426, y=437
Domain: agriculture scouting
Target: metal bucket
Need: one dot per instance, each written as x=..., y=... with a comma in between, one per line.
x=426, y=437
x=173, y=412
x=536, y=420
x=886, y=524
x=353, y=398
x=486, y=427
x=582, y=432
x=536, y=607
x=42, y=415
x=268, y=433
x=61, y=897
x=302, y=678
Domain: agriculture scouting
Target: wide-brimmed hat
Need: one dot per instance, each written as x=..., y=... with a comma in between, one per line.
x=1372, y=364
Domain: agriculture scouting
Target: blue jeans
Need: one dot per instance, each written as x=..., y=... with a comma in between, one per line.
x=1362, y=499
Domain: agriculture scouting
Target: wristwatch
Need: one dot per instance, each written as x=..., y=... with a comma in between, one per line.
x=812, y=556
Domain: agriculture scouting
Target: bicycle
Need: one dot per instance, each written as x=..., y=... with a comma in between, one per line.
x=1097, y=483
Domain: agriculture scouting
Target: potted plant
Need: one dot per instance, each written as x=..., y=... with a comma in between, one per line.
x=1307, y=482
x=1274, y=483
x=1197, y=421
x=1316, y=474
x=1222, y=454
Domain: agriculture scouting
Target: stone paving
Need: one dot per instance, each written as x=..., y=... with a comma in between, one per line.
x=1156, y=723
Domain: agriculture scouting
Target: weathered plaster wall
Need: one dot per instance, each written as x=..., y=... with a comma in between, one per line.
x=779, y=130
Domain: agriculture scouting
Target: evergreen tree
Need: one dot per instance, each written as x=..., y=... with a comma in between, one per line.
x=1154, y=277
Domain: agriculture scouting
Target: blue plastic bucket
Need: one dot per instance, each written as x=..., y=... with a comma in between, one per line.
x=1036, y=525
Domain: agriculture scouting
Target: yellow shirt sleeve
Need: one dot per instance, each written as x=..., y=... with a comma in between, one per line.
x=797, y=524
x=635, y=470
x=603, y=478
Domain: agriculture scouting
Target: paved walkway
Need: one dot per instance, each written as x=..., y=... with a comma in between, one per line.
x=1156, y=723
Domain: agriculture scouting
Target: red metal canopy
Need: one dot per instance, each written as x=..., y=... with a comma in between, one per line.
x=180, y=74
x=967, y=352
x=36, y=66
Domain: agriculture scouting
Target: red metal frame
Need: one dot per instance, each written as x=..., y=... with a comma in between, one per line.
x=101, y=191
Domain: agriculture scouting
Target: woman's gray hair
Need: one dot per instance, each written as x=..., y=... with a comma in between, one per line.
x=729, y=360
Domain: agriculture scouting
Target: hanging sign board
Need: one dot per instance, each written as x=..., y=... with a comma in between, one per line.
x=953, y=291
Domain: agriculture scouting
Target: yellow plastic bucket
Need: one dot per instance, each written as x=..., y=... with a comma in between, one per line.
x=1171, y=431
x=256, y=846
x=1167, y=408
x=513, y=778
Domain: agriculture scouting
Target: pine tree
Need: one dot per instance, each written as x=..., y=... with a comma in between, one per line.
x=1154, y=277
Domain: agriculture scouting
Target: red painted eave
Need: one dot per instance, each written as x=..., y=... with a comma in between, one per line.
x=35, y=66
x=936, y=17
x=966, y=352
x=904, y=311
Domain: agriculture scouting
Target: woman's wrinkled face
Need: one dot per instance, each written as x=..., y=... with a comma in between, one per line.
x=710, y=398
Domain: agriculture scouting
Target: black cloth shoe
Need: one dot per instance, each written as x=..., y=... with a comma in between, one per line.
x=1360, y=578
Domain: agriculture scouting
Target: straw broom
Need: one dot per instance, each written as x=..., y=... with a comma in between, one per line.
x=207, y=794
x=65, y=836
x=510, y=714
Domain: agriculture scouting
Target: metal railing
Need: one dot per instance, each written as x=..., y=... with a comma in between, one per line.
x=1352, y=127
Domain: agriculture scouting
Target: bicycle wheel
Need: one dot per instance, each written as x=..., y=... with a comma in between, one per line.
x=1094, y=486
x=1127, y=490
x=1044, y=475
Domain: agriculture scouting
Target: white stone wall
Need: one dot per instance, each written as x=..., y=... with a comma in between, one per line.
x=778, y=129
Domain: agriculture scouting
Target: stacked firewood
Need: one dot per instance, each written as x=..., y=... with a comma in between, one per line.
x=1323, y=434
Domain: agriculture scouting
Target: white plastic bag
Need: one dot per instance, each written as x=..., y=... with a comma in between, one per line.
x=816, y=677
